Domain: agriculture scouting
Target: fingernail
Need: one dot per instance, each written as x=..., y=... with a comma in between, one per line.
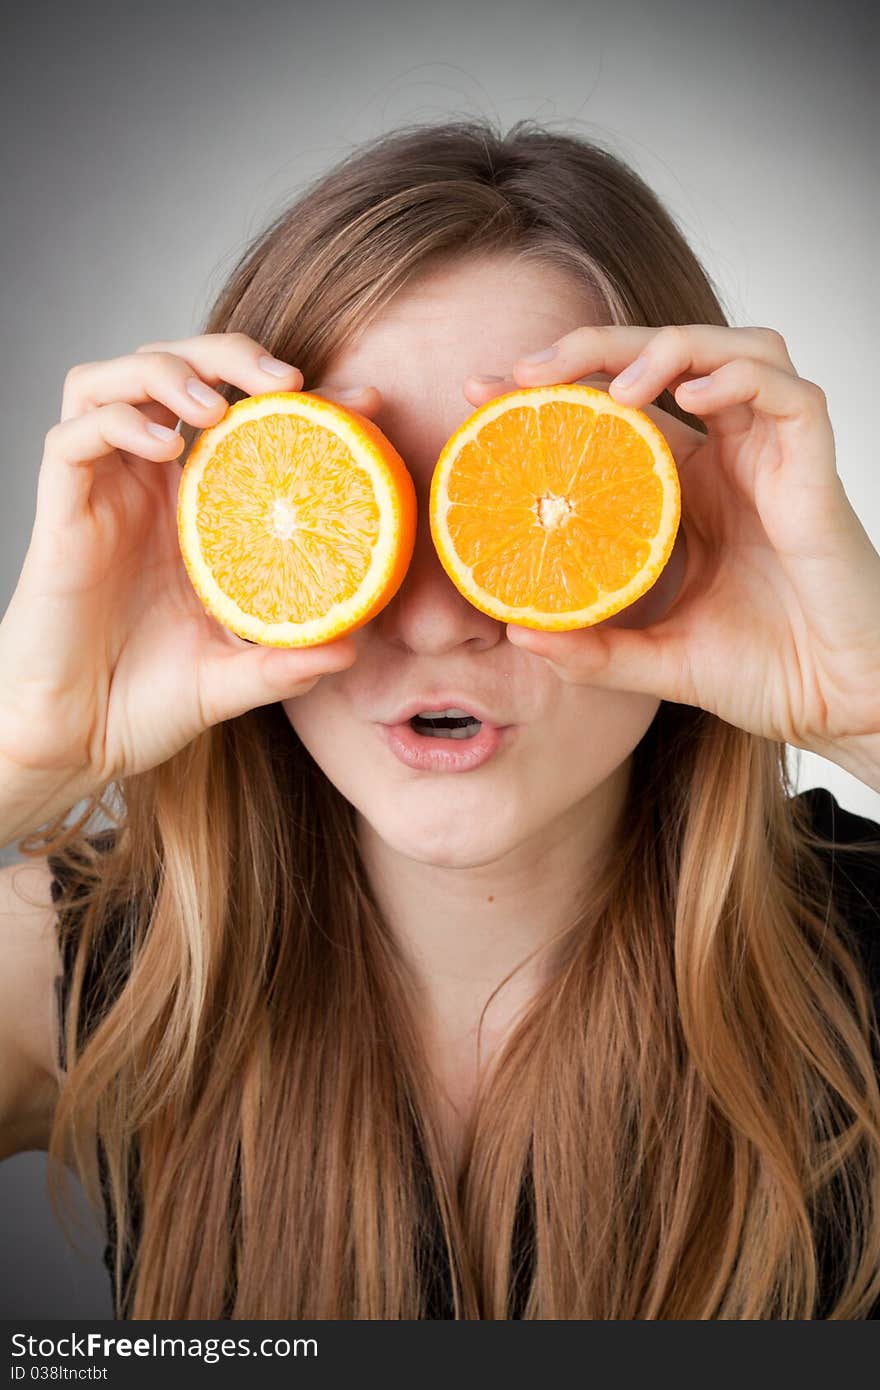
x=274, y=367
x=632, y=373
x=161, y=431
x=488, y=377
x=543, y=356
x=698, y=383
x=345, y=393
x=202, y=393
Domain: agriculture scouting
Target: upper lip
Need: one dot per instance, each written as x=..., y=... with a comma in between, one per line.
x=447, y=701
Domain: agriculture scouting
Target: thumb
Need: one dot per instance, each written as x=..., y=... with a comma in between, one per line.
x=235, y=681
x=646, y=661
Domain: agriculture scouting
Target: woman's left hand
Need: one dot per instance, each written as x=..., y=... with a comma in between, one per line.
x=776, y=624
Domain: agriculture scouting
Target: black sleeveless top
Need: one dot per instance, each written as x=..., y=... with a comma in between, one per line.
x=854, y=883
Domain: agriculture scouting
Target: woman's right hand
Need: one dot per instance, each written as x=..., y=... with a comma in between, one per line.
x=108, y=662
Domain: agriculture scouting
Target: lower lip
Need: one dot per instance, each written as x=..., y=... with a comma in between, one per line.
x=428, y=754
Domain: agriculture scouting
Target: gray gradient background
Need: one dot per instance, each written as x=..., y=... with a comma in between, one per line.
x=144, y=146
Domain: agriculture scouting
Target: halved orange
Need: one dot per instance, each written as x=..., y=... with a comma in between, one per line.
x=296, y=519
x=553, y=507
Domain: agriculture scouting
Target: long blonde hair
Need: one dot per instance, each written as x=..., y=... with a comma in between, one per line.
x=690, y=1102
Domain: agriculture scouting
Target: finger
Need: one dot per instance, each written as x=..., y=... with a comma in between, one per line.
x=159, y=375
x=73, y=447
x=478, y=389
x=656, y=356
x=746, y=381
x=649, y=661
x=235, y=358
x=160, y=378
x=696, y=350
x=235, y=681
x=366, y=400
x=737, y=391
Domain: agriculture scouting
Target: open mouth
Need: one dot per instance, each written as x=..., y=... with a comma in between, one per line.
x=414, y=741
x=446, y=726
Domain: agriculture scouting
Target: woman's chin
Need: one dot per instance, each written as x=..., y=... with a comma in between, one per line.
x=447, y=846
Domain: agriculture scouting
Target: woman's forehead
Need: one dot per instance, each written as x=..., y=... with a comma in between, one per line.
x=471, y=308
x=464, y=320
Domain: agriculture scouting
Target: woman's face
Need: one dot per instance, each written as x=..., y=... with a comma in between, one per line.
x=474, y=317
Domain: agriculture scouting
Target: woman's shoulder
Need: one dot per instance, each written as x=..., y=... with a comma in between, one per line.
x=65, y=867
x=835, y=822
x=68, y=888
x=855, y=850
x=852, y=863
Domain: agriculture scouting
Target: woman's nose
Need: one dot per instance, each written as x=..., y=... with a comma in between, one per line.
x=428, y=614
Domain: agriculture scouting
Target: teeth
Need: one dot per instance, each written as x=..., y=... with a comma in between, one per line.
x=445, y=714
x=449, y=733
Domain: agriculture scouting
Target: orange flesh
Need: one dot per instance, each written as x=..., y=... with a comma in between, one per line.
x=575, y=498
x=266, y=533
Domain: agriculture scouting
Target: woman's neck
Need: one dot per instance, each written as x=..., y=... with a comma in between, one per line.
x=462, y=930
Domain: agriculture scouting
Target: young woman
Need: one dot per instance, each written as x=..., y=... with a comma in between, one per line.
x=585, y=1031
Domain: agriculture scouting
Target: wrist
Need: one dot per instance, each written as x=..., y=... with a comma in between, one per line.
x=31, y=798
x=858, y=755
